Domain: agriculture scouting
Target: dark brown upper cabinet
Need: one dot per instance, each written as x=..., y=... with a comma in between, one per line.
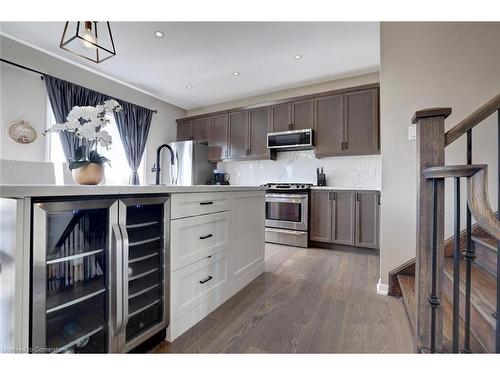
x=184, y=130
x=238, y=135
x=259, y=123
x=361, y=122
x=200, y=129
x=321, y=216
x=281, y=117
x=302, y=114
x=367, y=219
x=217, y=137
x=347, y=124
x=344, y=122
x=329, y=126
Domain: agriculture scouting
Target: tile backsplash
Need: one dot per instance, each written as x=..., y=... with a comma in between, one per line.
x=357, y=172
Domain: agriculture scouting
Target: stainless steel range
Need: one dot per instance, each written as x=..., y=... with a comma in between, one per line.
x=287, y=213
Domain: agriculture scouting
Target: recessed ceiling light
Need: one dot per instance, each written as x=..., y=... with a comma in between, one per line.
x=189, y=86
x=297, y=57
x=236, y=73
x=159, y=34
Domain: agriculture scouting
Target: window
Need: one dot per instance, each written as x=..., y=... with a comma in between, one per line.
x=116, y=174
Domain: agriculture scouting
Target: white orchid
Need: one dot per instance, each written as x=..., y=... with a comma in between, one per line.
x=112, y=105
x=87, y=122
x=104, y=138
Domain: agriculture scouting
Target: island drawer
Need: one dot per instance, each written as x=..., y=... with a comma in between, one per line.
x=191, y=286
x=195, y=238
x=185, y=205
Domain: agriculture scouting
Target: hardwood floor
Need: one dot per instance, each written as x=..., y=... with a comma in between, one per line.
x=307, y=301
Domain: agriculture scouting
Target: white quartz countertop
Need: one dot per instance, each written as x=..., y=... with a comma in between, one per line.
x=342, y=188
x=23, y=191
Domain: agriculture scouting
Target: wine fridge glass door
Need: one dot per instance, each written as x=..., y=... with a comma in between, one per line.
x=70, y=275
x=144, y=223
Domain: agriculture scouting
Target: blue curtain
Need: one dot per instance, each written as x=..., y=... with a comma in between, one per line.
x=133, y=125
x=63, y=96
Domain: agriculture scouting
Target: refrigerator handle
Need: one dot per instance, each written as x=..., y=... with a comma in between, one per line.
x=123, y=228
x=119, y=284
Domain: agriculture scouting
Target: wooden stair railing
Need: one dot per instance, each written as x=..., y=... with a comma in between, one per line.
x=429, y=260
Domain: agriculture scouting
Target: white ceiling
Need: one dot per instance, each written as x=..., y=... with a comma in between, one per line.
x=205, y=55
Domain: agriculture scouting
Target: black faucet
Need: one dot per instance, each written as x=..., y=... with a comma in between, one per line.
x=156, y=168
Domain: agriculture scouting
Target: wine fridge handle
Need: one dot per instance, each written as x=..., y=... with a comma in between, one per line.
x=119, y=285
x=123, y=228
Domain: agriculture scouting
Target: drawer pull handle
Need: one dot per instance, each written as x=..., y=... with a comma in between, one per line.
x=206, y=203
x=205, y=280
x=206, y=236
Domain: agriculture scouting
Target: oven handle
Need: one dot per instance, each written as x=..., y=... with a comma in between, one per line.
x=301, y=200
x=298, y=196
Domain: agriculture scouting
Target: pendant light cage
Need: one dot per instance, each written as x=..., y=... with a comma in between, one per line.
x=91, y=40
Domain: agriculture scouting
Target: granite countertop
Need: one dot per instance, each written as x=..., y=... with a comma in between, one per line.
x=343, y=188
x=23, y=191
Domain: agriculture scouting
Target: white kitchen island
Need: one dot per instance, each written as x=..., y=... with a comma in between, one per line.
x=213, y=246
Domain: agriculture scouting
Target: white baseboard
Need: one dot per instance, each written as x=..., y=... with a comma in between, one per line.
x=382, y=289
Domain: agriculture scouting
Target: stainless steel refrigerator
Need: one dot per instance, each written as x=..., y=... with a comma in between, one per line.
x=191, y=164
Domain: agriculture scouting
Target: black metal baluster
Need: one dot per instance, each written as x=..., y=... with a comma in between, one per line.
x=456, y=268
x=433, y=299
x=498, y=242
x=469, y=257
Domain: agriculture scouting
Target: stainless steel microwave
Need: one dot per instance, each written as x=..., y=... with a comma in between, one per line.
x=290, y=140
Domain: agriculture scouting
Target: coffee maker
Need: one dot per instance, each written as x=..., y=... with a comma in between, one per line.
x=219, y=178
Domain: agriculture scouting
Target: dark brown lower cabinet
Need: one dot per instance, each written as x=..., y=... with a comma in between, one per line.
x=345, y=217
x=367, y=219
x=321, y=216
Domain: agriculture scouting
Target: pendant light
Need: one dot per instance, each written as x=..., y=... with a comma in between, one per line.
x=91, y=40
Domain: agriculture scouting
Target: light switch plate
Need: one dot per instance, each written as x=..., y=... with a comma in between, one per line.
x=412, y=132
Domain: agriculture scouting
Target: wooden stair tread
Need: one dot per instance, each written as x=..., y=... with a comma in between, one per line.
x=476, y=346
x=487, y=241
x=407, y=284
x=483, y=284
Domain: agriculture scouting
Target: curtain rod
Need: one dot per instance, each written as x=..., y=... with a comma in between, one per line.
x=39, y=72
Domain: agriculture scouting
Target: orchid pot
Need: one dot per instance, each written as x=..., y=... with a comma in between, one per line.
x=87, y=124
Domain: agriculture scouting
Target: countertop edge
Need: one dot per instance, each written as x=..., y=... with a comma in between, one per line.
x=39, y=191
x=343, y=188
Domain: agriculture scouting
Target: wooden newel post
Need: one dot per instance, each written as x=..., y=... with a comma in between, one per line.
x=430, y=153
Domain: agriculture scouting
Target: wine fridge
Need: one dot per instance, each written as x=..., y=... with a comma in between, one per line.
x=98, y=273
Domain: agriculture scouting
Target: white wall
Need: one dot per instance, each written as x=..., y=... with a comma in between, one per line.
x=431, y=65
x=289, y=93
x=23, y=96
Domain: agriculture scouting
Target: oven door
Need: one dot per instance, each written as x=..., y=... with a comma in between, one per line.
x=288, y=211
